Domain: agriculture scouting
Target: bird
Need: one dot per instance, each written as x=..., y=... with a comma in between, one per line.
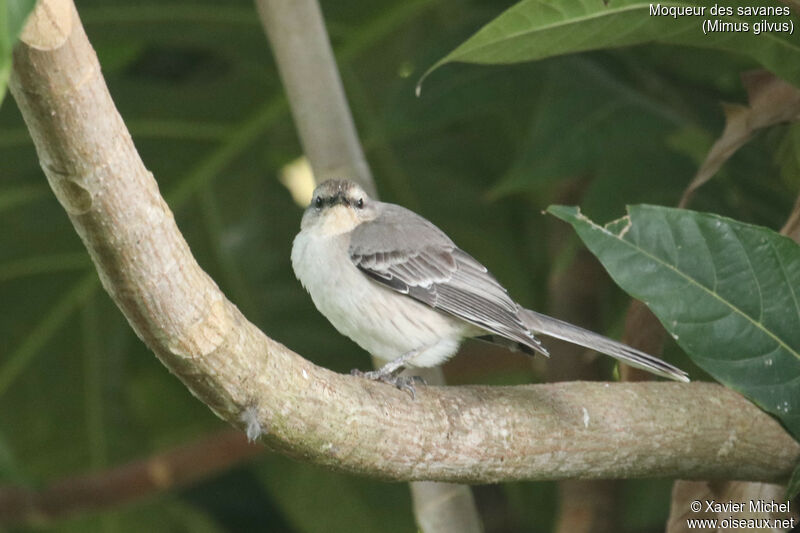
x=397, y=285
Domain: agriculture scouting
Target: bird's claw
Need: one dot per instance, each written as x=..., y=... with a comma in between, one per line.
x=403, y=383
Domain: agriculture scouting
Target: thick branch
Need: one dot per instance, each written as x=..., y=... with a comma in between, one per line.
x=469, y=434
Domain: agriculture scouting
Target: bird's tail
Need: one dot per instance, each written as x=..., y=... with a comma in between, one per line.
x=552, y=327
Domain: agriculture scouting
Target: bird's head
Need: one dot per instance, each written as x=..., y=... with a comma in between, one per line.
x=338, y=206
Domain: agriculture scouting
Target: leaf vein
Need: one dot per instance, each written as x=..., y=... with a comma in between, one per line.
x=754, y=275
x=692, y=281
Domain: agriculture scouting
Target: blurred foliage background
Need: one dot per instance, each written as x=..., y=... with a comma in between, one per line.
x=481, y=153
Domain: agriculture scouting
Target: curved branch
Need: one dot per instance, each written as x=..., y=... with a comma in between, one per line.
x=466, y=434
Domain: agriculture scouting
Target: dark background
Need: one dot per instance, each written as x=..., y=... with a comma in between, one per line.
x=481, y=153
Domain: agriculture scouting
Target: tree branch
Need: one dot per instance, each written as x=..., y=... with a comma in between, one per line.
x=465, y=434
x=296, y=31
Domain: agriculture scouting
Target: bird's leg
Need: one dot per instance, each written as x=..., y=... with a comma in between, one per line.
x=390, y=373
x=394, y=366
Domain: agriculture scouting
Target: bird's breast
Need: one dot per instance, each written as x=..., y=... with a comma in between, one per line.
x=385, y=323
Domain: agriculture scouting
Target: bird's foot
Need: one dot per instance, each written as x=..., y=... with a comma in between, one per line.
x=404, y=383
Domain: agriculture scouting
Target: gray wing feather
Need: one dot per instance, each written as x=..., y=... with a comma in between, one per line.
x=407, y=253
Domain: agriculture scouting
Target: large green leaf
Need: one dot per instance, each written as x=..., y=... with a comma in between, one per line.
x=728, y=292
x=535, y=29
x=12, y=16
x=582, y=110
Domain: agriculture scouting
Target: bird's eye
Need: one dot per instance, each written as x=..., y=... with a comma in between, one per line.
x=360, y=203
x=318, y=202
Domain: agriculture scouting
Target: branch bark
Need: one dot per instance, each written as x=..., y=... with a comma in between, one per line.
x=463, y=434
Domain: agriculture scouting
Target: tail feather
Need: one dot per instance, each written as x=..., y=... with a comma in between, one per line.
x=552, y=327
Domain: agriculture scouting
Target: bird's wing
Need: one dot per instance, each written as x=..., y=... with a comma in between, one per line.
x=407, y=253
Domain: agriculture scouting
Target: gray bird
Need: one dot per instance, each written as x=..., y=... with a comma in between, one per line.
x=402, y=290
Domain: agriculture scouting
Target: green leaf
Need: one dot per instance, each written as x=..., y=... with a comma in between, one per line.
x=13, y=14
x=728, y=292
x=581, y=110
x=535, y=29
